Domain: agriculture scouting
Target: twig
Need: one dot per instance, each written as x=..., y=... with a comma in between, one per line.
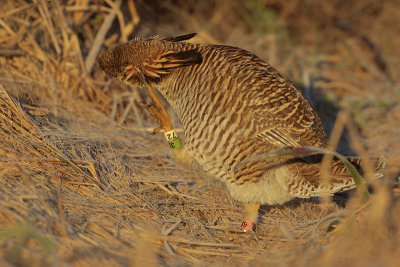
x=288, y=235
x=169, y=249
x=186, y=255
x=335, y=215
x=208, y=252
x=150, y=130
x=126, y=112
x=116, y=100
x=61, y=213
x=7, y=28
x=313, y=230
x=45, y=13
x=121, y=20
x=178, y=194
x=332, y=144
x=197, y=243
x=77, y=8
x=117, y=226
x=136, y=111
x=359, y=148
x=11, y=53
x=99, y=40
x=169, y=230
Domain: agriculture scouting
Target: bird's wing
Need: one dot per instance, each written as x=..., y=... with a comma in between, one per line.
x=162, y=63
x=282, y=115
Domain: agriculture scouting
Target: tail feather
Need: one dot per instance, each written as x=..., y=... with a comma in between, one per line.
x=339, y=169
x=338, y=181
x=342, y=180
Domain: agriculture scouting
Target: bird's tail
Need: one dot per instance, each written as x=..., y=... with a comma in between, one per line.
x=378, y=164
x=341, y=179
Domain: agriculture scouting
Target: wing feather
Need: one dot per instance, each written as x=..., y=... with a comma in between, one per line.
x=282, y=114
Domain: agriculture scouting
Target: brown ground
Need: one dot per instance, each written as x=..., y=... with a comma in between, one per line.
x=83, y=183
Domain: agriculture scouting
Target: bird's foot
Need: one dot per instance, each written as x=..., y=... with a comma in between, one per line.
x=158, y=112
x=247, y=226
x=161, y=116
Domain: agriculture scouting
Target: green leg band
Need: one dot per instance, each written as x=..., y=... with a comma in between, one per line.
x=175, y=144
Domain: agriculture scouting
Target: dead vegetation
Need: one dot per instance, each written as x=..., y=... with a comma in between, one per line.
x=83, y=183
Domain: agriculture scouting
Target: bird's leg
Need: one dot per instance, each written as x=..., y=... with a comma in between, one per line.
x=251, y=216
x=158, y=112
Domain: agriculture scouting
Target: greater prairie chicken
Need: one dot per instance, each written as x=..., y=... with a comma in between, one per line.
x=232, y=105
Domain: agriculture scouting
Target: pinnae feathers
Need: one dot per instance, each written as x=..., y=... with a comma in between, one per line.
x=184, y=58
x=179, y=38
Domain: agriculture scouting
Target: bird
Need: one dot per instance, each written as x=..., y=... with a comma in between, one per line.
x=232, y=105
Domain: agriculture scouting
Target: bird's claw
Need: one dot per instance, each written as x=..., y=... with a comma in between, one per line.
x=161, y=116
x=156, y=130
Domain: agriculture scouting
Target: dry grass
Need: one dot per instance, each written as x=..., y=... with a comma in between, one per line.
x=83, y=183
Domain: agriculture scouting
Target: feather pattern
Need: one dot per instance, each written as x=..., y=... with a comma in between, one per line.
x=233, y=105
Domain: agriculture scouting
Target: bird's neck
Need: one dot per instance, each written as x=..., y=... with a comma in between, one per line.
x=178, y=92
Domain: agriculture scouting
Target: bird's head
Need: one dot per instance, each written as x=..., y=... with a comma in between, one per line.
x=126, y=61
x=144, y=61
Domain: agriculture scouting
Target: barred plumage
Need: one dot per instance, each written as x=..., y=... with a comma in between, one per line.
x=232, y=105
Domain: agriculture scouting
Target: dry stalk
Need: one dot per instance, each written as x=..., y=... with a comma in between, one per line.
x=100, y=36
